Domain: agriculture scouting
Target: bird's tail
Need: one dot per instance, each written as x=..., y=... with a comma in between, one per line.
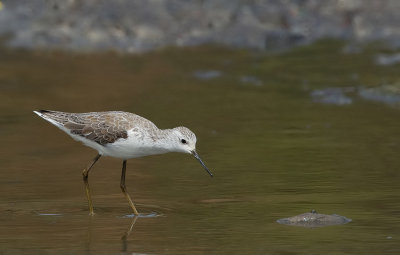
x=55, y=118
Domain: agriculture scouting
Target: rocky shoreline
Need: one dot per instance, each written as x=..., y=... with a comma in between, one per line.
x=144, y=25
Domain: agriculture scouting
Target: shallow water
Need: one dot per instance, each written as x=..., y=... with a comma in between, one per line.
x=274, y=151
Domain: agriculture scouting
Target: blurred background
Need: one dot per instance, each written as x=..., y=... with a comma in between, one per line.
x=295, y=104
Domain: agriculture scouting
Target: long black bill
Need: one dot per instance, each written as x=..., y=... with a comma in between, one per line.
x=201, y=162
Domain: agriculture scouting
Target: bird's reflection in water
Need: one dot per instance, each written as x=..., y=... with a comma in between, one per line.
x=96, y=225
x=91, y=230
x=124, y=238
x=128, y=232
x=89, y=236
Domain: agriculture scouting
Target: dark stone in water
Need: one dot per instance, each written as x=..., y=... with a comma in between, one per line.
x=314, y=220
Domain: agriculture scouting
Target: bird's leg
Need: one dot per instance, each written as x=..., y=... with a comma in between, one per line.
x=123, y=188
x=85, y=174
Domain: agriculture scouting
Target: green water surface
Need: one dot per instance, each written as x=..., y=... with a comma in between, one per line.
x=274, y=152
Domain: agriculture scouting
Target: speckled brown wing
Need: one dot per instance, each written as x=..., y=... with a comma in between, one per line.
x=100, y=127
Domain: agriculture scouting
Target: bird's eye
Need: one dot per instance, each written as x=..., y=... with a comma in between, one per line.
x=183, y=141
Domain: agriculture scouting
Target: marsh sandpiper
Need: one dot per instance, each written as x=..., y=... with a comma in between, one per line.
x=121, y=135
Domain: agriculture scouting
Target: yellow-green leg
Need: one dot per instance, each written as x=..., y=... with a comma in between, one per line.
x=85, y=174
x=123, y=188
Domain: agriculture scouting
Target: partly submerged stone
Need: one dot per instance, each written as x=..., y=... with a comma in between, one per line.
x=387, y=60
x=248, y=79
x=336, y=96
x=207, y=74
x=314, y=220
x=388, y=94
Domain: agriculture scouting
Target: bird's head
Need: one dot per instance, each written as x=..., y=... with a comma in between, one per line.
x=186, y=143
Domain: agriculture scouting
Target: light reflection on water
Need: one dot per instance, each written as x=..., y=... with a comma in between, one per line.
x=274, y=154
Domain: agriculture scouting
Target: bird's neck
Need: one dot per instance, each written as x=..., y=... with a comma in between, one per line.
x=163, y=139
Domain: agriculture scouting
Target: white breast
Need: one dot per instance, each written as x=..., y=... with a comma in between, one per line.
x=138, y=144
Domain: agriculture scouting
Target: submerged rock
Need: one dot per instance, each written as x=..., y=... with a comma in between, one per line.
x=248, y=79
x=334, y=96
x=207, y=74
x=388, y=60
x=314, y=220
x=387, y=94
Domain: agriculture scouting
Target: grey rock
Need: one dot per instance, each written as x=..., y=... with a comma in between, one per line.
x=314, y=220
